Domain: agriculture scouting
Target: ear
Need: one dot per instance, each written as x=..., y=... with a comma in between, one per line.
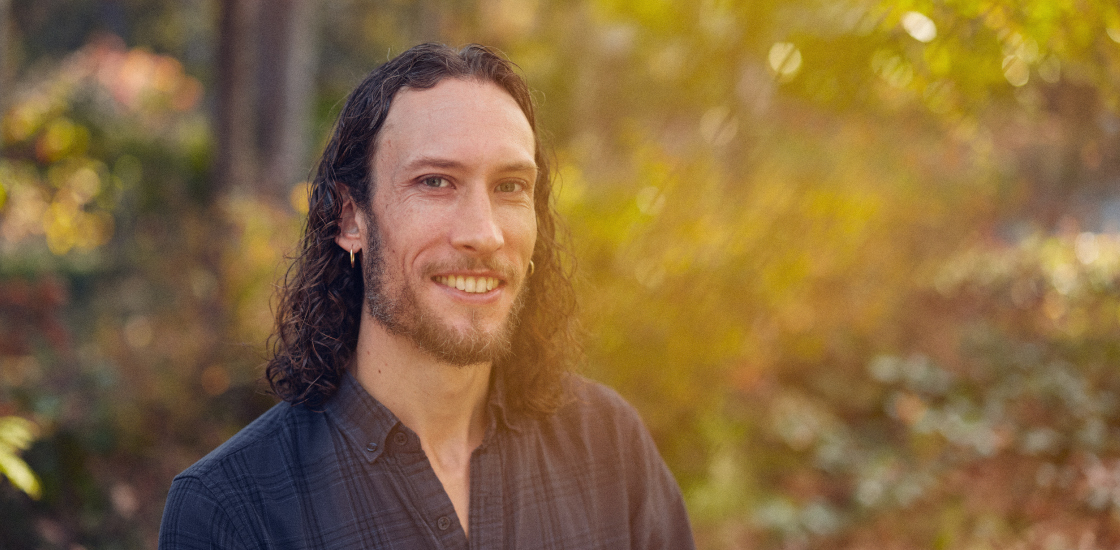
x=351, y=224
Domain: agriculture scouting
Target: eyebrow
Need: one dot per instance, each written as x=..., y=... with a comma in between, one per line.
x=437, y=162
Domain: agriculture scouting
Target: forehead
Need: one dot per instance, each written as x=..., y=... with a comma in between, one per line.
x=464, y=119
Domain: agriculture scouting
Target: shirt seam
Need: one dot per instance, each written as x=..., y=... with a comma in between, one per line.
x=220, y=504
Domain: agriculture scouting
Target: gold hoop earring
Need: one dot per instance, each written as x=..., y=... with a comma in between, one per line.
x=351, y=256
x=532, y=268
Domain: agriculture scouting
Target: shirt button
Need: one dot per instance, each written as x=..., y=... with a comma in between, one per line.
x=443, y=523
x=400, y=438
x=372, y=447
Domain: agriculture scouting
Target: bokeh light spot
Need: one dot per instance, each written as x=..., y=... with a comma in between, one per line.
x=187, y=95
x=649, y=274
x=718, y=126
x=83, y=185
x=203, y=284
x=215, y=380
x=1050, y=69
x=138, y=332
x=650, y=201
x=1017, y=72
x=23, y=120
x=894, y=70
x=667, y=63
x=56, y=141
x=124, y=499
x=1087, y=248
x=785, y=60
x=918, y=26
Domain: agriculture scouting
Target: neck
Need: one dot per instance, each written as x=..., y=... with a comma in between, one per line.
x=444, y=404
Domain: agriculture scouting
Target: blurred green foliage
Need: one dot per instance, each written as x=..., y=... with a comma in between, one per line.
x=856, y=262
x=16, y=434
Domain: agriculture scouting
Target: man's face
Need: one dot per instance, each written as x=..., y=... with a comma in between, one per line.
x=453, y=224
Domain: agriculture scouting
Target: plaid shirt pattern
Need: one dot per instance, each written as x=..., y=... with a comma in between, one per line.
x=353, y=476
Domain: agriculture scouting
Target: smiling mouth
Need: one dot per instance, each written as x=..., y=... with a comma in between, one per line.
x=474, y=285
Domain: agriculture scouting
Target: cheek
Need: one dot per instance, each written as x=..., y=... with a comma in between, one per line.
x=531, y=240
x=521, y=228
x=403, y=230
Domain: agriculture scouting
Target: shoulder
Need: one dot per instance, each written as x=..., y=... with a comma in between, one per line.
x=584, y=392
x=593, y=423
x=202, y=503
x=270, y=437
x=591, y=404
x=221, y=495
x=619, y=462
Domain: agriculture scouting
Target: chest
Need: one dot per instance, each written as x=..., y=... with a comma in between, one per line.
x=521, y=495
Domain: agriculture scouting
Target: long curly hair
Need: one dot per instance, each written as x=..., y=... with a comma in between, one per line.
x=320, y=301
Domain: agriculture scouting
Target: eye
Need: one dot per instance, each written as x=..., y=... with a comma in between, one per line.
x=435, y=181
x=508, y=187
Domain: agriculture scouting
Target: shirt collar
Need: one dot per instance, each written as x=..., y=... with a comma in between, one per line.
x=366, y=423
x=363, y=420
x=500, y=414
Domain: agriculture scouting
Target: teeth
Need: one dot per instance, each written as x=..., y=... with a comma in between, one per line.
x=474, y=285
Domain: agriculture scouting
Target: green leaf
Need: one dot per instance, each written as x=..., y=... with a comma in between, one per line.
x=17, y=434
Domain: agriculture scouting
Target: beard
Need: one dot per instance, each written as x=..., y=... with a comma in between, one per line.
x=395, y=304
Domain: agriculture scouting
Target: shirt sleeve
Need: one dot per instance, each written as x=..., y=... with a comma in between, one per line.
x=658, y=517
x=193, y=518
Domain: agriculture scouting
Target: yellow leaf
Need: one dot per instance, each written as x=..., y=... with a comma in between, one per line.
x=17, y=434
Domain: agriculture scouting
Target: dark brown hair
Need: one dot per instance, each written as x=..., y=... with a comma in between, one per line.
x=320, y=300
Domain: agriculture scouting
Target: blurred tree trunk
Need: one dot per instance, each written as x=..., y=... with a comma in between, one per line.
x=286, y=83
x=235, y=165
x=266, y=67
x=5, y=9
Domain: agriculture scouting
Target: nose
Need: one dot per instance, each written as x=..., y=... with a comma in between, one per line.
x=476, y=229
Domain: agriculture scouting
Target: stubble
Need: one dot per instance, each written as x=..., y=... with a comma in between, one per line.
x=396, y=306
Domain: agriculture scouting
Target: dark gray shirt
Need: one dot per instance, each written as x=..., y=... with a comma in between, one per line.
x=353, y=476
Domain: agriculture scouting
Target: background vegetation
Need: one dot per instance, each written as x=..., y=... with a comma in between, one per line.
x=856, y=261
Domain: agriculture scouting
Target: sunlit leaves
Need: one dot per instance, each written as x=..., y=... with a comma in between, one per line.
x=53, y=187
x=777, y=224
x=107, y=300
x=1028, y=400
x=17, y=434
x=57, y=208
x=719, y=126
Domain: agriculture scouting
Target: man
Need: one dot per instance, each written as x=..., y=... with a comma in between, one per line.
x=422, y=344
